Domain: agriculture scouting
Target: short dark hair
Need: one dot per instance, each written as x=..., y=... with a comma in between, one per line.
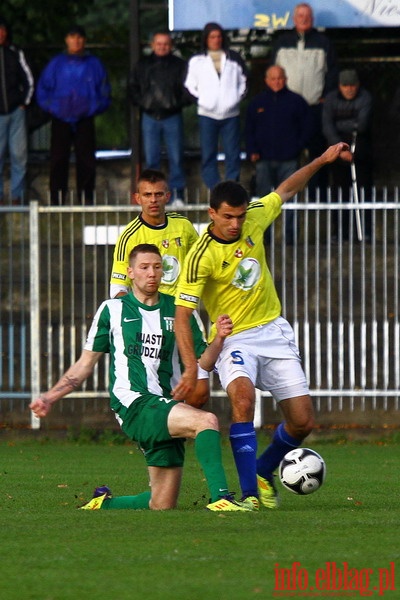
x=231, y=192
x=76, y=30
x=151, y=176
x=143, y=248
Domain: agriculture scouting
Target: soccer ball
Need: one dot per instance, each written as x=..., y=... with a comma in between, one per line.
x=302, y=471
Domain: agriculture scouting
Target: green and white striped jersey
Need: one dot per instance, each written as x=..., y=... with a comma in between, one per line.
x=141, y=342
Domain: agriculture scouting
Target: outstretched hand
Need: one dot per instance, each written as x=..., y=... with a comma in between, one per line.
x=340, y=150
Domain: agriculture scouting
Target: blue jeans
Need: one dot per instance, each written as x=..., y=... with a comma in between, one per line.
x=13, y=136
x=210, y=130
x=269, y=174
x=171, y=131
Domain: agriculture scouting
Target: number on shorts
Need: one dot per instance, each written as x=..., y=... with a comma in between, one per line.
x=237, y=358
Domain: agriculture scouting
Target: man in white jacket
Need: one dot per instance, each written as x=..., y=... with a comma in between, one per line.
x=217, y=79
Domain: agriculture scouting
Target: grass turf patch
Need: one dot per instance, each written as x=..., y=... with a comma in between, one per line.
x=51, y=551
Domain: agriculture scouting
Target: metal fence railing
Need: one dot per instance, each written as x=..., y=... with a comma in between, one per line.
x=341, y=296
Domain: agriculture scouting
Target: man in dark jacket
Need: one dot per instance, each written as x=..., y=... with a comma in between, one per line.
x=16, y=89
x=347, y=116
x=309, y=59
x=279, y=125
x=156, y=86
x=73, y=88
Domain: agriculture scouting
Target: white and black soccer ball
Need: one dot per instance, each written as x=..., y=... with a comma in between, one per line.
x=302, y=471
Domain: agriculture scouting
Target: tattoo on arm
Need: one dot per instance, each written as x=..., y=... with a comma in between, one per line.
x=67, y=383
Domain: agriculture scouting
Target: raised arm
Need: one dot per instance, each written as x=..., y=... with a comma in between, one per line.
x=298, y=181
x=70, y=381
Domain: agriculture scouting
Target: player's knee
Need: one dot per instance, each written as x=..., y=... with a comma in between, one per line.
x=302, y=428
x=243, y=409
x=207, y=421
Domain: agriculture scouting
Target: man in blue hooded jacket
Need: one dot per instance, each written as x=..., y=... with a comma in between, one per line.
x=73, y=88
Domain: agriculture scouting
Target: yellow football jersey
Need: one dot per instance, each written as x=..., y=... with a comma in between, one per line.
x=174, y=239
x=233, y=277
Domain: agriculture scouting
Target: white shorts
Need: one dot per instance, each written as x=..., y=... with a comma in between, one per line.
x=268, y=355
x=202, y=373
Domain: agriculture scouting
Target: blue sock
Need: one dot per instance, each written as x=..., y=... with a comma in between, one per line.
x=244, y=447
x=281, y=443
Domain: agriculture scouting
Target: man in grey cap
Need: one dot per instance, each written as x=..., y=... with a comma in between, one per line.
x=347, y=117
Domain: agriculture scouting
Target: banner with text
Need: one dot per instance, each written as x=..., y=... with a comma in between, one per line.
x=277, y=14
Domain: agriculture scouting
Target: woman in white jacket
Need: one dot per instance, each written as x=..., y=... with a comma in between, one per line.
x=217, y=79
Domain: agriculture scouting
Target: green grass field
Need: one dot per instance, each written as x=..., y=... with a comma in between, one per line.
x=51, y=551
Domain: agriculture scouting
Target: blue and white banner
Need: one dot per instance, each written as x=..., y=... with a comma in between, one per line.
x=277, y=14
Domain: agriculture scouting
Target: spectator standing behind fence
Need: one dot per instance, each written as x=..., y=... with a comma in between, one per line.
x=278, y=126
x=347, y=116
x=73, y=88
x=156, y=86
x=16, y=89
x=217, y=79
x=309, y=60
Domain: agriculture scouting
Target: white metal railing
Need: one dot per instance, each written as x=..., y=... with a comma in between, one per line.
x=342, y=297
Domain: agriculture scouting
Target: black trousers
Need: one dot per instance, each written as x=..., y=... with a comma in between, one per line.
x=82, y=137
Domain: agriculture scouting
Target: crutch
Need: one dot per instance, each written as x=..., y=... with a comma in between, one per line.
x=354, y=186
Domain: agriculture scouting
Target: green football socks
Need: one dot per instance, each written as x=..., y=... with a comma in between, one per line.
x=138, y=502
x=208, y=452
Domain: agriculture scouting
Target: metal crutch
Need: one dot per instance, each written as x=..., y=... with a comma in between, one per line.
x=354, y=187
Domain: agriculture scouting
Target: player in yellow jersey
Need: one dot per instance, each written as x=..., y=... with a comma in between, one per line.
x=172, y=233
x=227, y=269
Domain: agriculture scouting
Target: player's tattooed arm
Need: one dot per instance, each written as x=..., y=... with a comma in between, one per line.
x=70, y=381
x=66, y=384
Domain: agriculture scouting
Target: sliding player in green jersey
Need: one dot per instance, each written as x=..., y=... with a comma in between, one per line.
x=137, y=331
x=227, y=269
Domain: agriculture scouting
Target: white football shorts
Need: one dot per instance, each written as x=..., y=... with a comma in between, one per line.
x=268, y=355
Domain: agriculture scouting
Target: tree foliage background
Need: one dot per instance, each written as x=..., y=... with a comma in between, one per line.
x=39, y=28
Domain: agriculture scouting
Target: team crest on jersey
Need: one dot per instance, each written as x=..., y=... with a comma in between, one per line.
x=247, y=274
x=239, y=253
x=171, y=269
x=249, y=242
x=178, y=241
x=165, y=243
x=169, y=323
